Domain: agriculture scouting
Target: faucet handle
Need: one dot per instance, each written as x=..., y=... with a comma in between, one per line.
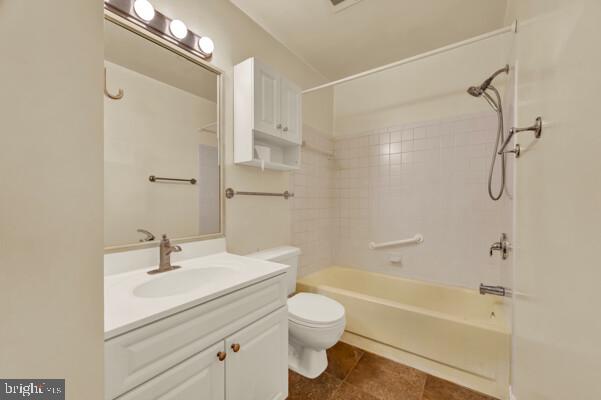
x=496, y=246
x=503, y=246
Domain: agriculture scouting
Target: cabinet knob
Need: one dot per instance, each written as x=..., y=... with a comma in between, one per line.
x=279, y=126
x=236, y=347
x=286, y=129
x=221, y=356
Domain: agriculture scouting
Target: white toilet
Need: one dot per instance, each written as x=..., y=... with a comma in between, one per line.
x=315, y=322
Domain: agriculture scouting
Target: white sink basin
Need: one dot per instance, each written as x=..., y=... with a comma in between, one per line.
x=133, y=299
x=181, y=281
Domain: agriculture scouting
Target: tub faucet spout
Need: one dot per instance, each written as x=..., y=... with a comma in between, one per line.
x=495, y=290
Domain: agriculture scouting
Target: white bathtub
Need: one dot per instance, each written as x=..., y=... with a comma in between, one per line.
x=453, y=333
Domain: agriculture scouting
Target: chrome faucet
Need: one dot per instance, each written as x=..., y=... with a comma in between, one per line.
x=165, y=250
x=502, y=246
x=149, y=236
x=495, y=290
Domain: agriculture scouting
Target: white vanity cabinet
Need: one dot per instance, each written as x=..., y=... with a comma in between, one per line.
x=200, y=377
x=257, y=368
x=267, y=113
x=234, y=347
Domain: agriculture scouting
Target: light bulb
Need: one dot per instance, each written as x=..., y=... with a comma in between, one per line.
x=144, y=9
x=178, y=29
x=206, y=45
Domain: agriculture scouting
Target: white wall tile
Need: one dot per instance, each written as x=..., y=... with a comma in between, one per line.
x=430, y=178
x=393, y=182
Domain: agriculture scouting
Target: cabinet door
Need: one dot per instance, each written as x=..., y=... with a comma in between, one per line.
x=266, y=101
x=257, y=360
x=290, y=111
x=201, y=377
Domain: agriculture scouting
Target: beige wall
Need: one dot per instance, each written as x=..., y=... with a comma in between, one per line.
x=51, y=200
x=557, y=355
x=251, y=222
x=428, y=89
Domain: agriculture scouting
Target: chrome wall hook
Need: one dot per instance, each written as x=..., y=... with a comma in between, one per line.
x=516, y=151
x=117, y=96
x=537, y=128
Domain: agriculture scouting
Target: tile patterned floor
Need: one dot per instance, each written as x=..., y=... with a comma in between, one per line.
x=354, y=374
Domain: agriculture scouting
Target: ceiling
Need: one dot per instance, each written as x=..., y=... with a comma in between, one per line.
x=341, y=41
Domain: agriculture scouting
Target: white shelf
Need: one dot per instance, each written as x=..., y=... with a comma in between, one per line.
x=275, y=140
x=270, y=165
x=268, y=113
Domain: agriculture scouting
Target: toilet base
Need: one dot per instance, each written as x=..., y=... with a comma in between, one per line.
x=305, y=361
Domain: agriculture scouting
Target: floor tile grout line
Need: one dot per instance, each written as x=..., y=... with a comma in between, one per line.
x=341, y=385
x=358, y=389
x=424, y=387
x=363, y=353
x=354, y=365
x=335, y=391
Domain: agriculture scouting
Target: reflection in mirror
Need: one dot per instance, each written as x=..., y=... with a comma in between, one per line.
x=164, y=125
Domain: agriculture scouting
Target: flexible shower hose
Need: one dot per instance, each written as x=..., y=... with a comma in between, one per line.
x=500, y=140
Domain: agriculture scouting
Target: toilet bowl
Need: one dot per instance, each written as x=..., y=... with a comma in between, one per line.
x=315, y=322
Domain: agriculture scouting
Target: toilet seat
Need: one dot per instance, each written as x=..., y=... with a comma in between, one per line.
x=314, y=310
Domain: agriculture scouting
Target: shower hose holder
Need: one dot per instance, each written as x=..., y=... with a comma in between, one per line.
x=537, y=128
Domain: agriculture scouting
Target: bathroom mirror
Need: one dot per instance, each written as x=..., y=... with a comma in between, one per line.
x=162, y=150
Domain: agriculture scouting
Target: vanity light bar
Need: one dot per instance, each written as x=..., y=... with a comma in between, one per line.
x=175, y=31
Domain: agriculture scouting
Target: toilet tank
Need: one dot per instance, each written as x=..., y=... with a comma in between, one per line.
x=287, y=255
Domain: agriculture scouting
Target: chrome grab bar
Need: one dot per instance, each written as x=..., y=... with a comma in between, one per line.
x=230, y=193
x=418, y=238
x=537, y=128
x=153, y=178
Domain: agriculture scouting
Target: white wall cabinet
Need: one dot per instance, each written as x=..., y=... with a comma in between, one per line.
x=268, y=113
x=290, y=111
x=265, y=99
x=209, y=352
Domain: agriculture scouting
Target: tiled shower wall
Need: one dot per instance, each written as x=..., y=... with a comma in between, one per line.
x=312, y=207
x=428, y=178
x=391, y=183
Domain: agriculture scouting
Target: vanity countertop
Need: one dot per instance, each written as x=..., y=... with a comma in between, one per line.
x=131, y=299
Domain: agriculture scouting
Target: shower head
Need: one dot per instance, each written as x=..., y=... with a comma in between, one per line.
x=478, y=91
x=475, y=91
x=492, y=96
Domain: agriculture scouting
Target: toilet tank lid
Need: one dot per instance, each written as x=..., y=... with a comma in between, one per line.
x=276, y=253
